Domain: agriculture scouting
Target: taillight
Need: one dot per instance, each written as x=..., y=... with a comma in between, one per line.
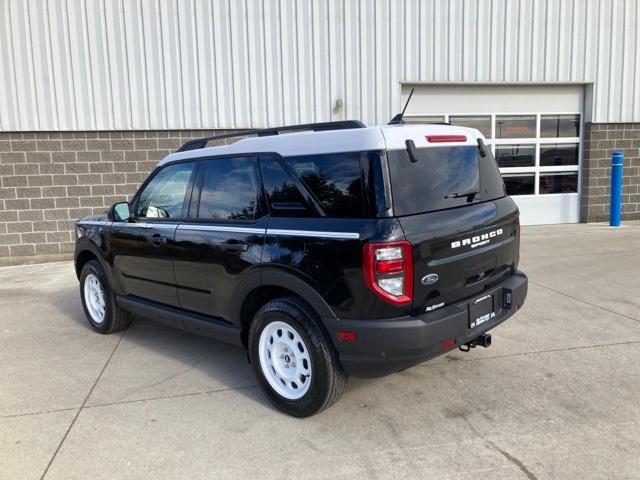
x=388, y=271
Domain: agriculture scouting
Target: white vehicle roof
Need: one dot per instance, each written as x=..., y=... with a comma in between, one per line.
x=385, y=137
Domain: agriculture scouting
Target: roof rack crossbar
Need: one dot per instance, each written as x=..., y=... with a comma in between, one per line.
x=198, y=143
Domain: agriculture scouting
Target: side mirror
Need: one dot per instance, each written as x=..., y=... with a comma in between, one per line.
x=120, y=212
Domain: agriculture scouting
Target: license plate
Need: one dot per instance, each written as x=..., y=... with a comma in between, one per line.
x=481, y=310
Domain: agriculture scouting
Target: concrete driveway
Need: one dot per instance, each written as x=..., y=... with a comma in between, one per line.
x=556, y=396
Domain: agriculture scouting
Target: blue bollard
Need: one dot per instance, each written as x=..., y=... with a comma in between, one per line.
x=617, y=159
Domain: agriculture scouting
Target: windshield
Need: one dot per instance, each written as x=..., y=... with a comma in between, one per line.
x=442, y=177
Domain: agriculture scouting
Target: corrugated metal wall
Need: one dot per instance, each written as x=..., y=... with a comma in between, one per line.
x=156, y=64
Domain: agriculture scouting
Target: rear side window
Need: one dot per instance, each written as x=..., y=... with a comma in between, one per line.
x=335, y=180
x=230, y=189
x=283, y=194
x=442, y=177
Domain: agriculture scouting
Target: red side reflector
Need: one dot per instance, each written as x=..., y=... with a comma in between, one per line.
x=445, y=138
x=346, y=336
x=449, y=344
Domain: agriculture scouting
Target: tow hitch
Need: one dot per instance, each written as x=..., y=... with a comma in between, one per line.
x=483, y=340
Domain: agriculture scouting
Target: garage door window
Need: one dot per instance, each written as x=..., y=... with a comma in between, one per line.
x=481, y=122
x=538, y=153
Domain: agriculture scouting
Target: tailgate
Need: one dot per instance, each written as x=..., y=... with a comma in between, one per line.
x=459, y=252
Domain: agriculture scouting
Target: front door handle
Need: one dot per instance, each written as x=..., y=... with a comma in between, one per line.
x=157, y=239
x=234, y=246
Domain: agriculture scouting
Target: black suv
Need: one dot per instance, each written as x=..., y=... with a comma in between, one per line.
x=333, y=250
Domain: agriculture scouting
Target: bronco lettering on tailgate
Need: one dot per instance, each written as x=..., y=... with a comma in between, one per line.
x=477, y=240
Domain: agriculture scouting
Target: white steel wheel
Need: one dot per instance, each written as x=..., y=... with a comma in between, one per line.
x=94, y=298
x=285, y=360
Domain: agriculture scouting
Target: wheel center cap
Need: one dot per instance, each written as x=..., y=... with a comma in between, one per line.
x=287, y=358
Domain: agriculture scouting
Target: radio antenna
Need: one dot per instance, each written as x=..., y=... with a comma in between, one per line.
x=397, y=120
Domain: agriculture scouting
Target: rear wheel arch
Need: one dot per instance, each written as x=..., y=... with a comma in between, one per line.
x=277, y=284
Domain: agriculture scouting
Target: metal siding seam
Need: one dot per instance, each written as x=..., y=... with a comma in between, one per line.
x=56, y=112
x=127, y=82
x=635, y=110
x=32, y=69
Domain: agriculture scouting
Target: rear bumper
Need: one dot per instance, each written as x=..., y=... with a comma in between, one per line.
x=386, y=346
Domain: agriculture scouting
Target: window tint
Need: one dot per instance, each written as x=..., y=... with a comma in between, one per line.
x=560, y=126
x=164, y=195
x=442, y=177
x=516, y=155
x=424, y=119
x=520, y=183
x=230, y=189
x=558, y=182
x=480, y=122
x=283, y=195
x=559, y=154
x=516, y=126
x=335, y=180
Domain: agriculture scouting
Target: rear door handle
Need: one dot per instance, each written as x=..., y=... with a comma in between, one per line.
x=234, y=246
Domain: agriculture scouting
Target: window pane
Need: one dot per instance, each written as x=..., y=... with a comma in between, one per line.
x=425, y=119
x=230, y=189
x=482, y=123
x=335, y=180
x=559, y=154
x=560, y=126
x=516, y=126
x=284, y=197
x=559, y=182
x=520, y=183
x=516, y=155
x=163, y=196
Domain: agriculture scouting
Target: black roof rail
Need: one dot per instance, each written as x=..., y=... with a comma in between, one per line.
x=263, y=132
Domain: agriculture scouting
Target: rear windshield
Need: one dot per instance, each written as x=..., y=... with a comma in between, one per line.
x=442, y=177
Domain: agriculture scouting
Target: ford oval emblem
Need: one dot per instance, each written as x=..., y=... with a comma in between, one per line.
x=430, y=279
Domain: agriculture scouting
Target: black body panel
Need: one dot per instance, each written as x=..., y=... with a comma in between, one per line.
x=463, y=270
x=212, y=260
x=142, y=256
x=393, y=345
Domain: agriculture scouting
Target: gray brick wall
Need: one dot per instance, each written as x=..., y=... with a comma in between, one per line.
x=50, y=179
x=600, y=141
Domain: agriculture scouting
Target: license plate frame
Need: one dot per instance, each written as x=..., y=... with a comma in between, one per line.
x=481, y=310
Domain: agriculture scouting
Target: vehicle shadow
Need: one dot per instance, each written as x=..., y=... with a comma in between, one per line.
x=170, y=361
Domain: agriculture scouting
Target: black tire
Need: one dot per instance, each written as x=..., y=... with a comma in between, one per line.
x=115, y=318
x=327, y=379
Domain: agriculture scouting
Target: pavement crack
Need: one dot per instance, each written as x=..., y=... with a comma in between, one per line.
x=84, y=402
x=512, y=459
x=42, y=412
x=177, y=395
x=585, y=302
x=521, y=466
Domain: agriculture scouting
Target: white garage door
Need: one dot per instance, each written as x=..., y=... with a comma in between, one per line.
x=534, y=133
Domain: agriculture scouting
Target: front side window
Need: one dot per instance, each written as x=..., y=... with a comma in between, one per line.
x=164, y=195
x=230, y=189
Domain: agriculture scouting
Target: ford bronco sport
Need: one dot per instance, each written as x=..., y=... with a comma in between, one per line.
x=334, y=250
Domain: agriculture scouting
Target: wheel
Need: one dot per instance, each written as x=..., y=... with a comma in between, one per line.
x=99, y=302
x=293, y=361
